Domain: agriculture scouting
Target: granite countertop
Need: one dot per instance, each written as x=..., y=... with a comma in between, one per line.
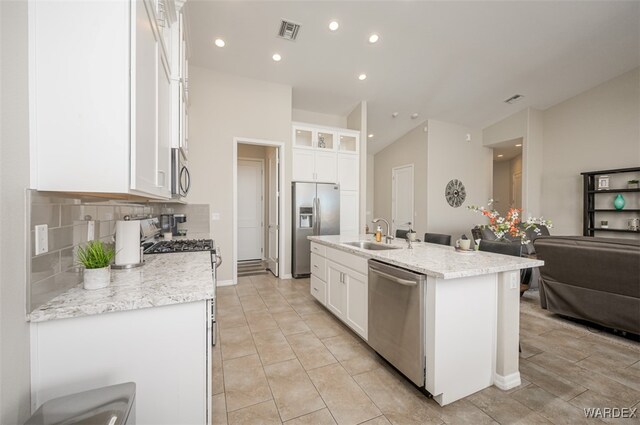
x=431, y=259
x=164, y=279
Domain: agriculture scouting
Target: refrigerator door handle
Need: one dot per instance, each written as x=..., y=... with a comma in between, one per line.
x=318, y=220
x=315, y=217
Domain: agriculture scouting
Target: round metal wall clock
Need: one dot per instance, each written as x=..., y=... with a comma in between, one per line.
x=455, y=193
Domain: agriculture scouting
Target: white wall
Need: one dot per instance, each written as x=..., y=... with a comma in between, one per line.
x=318, y=118
x=371, y=193
x=225, y=106
x=527, y=125
x=449, y=157
x=357, y=120
x=14, y=179
x=596, y=130
x=411, y=148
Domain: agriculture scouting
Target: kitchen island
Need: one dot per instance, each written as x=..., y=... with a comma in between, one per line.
x=151, y=325
x=471, y=307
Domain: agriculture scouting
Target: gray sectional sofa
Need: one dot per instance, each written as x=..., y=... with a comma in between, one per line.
x=593, y=279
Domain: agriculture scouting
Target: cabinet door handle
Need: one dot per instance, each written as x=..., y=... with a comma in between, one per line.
x=315, y=289
x=315, y=266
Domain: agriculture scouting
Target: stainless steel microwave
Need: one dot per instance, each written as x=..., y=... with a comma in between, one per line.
x=180, y=177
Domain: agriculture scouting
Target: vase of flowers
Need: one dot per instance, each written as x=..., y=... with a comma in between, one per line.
x=96, y=258
x=511, y=225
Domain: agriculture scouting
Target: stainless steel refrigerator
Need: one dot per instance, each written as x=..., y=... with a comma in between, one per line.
x=316, y=211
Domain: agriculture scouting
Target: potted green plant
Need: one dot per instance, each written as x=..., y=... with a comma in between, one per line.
x=633, y=184
x=96, y=258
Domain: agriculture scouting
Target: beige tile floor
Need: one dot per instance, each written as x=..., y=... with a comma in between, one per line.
x=282, y=358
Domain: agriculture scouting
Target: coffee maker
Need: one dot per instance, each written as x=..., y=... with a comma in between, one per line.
x=169, y=223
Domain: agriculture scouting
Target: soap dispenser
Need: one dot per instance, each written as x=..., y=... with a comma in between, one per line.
x=379, y=234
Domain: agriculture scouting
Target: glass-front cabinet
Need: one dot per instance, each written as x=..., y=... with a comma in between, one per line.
x=349, y=143
x=303, y=137
x=312, y=138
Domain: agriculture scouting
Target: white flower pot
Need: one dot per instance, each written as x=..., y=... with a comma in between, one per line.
x=97, y=278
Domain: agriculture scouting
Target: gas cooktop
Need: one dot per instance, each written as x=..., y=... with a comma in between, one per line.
x=185, y=245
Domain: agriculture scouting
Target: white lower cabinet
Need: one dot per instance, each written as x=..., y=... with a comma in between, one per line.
x=339, y=282
x=319, y=290
x=337, y=290
x=357, y=302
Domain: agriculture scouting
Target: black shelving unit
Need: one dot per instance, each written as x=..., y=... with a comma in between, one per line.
x=589, y=205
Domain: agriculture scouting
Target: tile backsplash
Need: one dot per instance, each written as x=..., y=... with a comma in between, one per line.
x=67, y=218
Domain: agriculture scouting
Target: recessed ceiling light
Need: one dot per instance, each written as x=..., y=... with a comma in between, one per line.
x=370, y=136
x=518, y=145
x=414, y=115
x=334, y=25
x=373, y=38
x=220, y=42
x=276, y=57
x=362, y=77
x=500, y=156
x=395, y=114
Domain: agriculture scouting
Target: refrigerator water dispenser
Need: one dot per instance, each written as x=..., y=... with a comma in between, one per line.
x=305, y=218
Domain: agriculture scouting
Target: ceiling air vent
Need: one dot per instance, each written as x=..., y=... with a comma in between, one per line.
x=514, y=99
x=288, y=30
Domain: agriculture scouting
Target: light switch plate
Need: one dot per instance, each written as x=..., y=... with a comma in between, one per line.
x=91, y=230
x=42, y=239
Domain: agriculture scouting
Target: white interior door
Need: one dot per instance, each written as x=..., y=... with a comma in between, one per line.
x=516, y=190
x=273, y=214
x=401, y=197
x=250, y=218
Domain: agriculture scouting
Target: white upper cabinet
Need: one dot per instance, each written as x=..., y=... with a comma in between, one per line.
x=324, y=145
x=303, y=168
x=100, y=96
x=349, y=143
x=326, y=167
x=349, y=209
x=303, y=137
x=348, y=171
x=179, y=86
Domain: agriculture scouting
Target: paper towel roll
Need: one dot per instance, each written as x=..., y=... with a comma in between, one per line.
x=127, y=242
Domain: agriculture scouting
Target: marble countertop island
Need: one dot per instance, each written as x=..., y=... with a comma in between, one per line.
x=433, y=260
x=164, y=279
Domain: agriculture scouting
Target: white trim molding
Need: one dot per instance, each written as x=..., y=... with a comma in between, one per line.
x=281, y=189
x=507, y=382
x=228, y=282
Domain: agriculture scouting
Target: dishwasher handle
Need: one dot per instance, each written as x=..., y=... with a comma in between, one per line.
x=393, y=278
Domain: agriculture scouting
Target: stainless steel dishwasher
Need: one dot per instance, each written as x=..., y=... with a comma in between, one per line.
x=397, y=318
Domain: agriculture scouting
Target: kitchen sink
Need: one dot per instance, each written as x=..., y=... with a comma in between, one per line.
x=371, y=246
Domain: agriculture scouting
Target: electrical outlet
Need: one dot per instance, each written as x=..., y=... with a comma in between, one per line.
x=91, y=230
x=513, y=281
x=215, y=216
x=42, y=239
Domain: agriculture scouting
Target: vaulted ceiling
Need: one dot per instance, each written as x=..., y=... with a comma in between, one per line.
x=452, y=61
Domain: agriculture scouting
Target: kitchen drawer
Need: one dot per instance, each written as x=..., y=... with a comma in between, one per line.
x=318, y=249
x=318, y=266
x=319, y=290
x=353, y=261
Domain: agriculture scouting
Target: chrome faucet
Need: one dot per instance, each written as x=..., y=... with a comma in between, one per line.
x=387, y=237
